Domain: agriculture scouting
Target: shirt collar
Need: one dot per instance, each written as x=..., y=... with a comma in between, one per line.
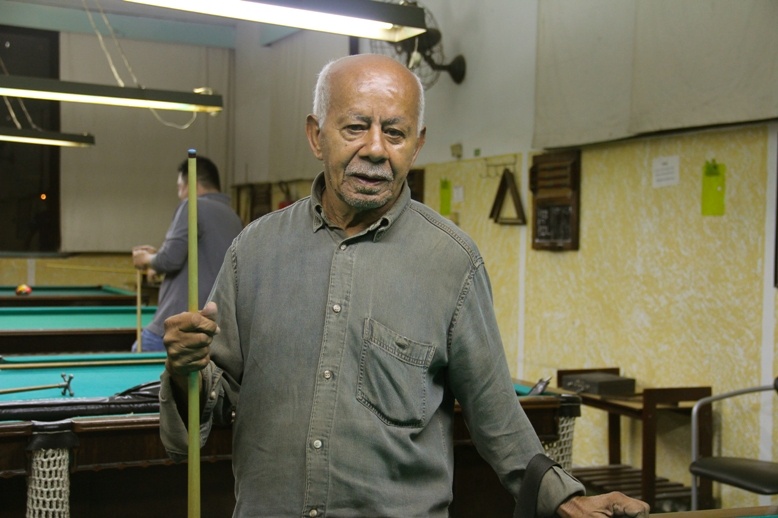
x=380, y=226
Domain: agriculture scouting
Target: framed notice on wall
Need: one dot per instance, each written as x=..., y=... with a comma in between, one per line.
x=555, y=185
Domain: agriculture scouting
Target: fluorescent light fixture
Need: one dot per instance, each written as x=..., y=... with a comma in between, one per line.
x=360, y=18
x=47, y=138
x=56, y=90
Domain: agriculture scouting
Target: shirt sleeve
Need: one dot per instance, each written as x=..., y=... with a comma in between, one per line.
x=172, y=255
x=172, y=428
x=480, y=380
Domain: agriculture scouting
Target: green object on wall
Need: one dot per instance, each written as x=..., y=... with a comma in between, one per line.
x=714, y=188
x=445, y=197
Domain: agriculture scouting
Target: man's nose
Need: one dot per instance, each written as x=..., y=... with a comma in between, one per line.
x=375, y=147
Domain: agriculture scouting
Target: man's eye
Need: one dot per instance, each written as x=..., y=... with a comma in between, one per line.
x=394, y=133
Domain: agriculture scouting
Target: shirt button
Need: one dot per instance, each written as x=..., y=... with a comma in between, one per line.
x=337, y=308
x=314, y=513
x=343, y=246
x=327, y=374
x=317, y=444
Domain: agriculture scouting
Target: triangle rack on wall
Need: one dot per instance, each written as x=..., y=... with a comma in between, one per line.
x=507, y=184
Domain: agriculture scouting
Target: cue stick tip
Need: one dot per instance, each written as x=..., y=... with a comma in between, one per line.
x=192, y=153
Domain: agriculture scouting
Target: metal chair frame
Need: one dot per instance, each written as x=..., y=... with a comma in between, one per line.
x=695, y=426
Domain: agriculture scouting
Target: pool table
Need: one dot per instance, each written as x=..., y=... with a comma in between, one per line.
x=68, y=329
x=116, y=454
x=118, y=466
x=98, y=295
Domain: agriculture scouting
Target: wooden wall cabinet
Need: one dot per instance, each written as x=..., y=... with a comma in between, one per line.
x=555, y=180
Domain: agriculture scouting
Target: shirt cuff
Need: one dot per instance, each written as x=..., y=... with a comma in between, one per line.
x=173, y=431
x=171, y=427
x=555, y=488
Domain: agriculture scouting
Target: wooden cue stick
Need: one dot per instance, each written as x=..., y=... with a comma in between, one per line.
x=65, y=386
x=138, y=310
x=32, y=388
x=194, y=377
x=65, y=363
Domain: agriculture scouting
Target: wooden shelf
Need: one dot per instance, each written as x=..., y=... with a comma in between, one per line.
x=645, y=407
x=628, y=480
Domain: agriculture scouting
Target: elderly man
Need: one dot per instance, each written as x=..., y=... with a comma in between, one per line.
x=348, y=324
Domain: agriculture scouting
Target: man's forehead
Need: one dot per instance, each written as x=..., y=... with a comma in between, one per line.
x=372, y=82
x=377, y=95
x=383, y=107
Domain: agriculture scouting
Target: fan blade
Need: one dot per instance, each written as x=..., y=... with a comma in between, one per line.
x=428, y=40
x=405, y=47
x=414, y=60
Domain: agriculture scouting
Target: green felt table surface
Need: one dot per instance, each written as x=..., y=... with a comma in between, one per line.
x=51, y=318
x=94, y=375
x=68, y=291
x=522, y=389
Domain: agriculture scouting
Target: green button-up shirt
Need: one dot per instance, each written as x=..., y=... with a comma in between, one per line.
x=341, y=358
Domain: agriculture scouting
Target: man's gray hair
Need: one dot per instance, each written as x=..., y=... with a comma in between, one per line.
x=321, y=95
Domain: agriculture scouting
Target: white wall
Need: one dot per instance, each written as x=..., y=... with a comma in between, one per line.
x=615, y=69
x=491, y=111
x=274, y=94
x=122, y=191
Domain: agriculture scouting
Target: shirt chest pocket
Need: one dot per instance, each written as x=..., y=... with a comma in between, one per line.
x=394, y=375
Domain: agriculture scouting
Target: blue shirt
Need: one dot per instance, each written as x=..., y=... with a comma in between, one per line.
x=217, y=226
x=341, y=358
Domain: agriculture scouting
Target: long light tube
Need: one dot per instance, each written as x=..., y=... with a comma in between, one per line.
x=68, y=91
x=360, y=18
x=47, y=138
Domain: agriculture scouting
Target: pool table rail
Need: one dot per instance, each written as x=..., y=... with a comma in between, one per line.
x=102, y=442
x=91, y=295
x=63, y=329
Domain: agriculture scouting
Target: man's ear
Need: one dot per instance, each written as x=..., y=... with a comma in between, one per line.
x=420, y=142
x=313, y=131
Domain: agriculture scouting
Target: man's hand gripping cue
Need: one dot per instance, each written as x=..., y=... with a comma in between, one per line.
x=187, y=340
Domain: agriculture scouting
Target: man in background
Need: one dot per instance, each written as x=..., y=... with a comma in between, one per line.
x=217, y=226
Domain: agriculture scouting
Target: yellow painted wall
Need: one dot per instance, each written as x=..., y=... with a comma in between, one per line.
x=78, y=269
x=672, y=297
